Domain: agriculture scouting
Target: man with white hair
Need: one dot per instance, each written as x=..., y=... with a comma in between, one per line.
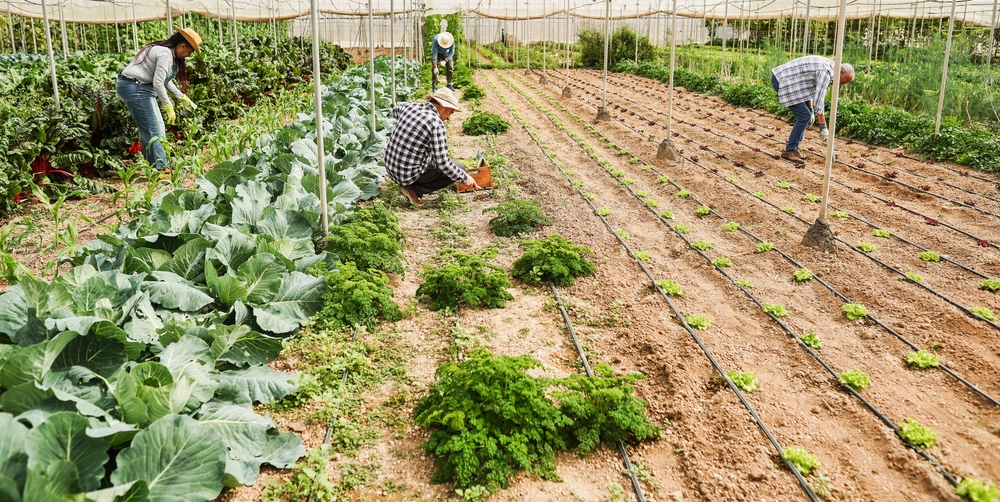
x=443, y=50
x=417, y=156
x=801, y=86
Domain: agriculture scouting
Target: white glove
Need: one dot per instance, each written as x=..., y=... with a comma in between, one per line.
x=812, y=118
x=824, y=132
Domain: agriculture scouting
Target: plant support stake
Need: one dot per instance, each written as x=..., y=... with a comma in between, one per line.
x=371, y=61
x=324, y=216
x=602, y=112
x=944, y=69
x=52, y=57
x=666, y=149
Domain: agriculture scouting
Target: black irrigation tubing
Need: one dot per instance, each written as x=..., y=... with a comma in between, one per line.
x=927, y=219
x=639, y=495
x=336, y=409
x=881, y=416
x=718, y=367
x=902, y=274
x=837, y=293
x=898, y=154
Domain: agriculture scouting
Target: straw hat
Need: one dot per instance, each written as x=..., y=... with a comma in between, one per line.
x=446, y=98
x=445, y=39
x=193, y=39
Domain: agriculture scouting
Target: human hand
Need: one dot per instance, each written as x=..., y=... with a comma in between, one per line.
x=472, y=182
x=186, y=102
x=171, y=115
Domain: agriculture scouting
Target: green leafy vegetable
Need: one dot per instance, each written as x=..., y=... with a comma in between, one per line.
x=462, y=279
x=764, y=247
x=356, y=297
x=855, y=379
x=802, y=275
x=516, y=217
x=698, y=322
x=803, y=461
x=984, y=313
x=730, y=226
x=930, y=256
x=722, y=262
x=701, y=245
x=775, y=309
x=978, y=491
x=881, y=232
x=917, y=434
x=703, y=211
x=991, y=285
x=854, y=311
x=812, y=340
x=866, y=247
x=744, y=380
x=482, y=122
x=913, y=277
x=552, y=259
x=922, y=359
x=669, y=287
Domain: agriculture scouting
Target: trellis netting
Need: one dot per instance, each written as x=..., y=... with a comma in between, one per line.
x=109, y=11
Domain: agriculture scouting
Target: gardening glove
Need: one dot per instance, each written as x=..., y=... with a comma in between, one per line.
x=187, y=103
x=812, y=118
x=824, y=132
x=171, y=115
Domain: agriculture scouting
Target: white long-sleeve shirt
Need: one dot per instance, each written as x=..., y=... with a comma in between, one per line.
x=154, y=70
x=804, y=79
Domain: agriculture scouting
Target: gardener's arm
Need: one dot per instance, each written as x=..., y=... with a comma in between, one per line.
x=439, y=150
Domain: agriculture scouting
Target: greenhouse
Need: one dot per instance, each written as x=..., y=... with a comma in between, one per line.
x=304, y=250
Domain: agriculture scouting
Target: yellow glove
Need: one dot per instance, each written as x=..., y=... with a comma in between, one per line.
x=171, y=115
x=186, y=102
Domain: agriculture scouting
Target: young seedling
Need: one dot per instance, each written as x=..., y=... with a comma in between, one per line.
x=744, y=284
x=730, y=226
x=744, y=380
x=667, y=215
x=812, y=340
x=578, y=183
x=855, y=379
x=733, y=181
x=977, y=491
x=623, y=234
x=652, y=203
x=881, y=232
x=698, y=322
x=922, y=359
x=991, y=285
x=930, y=256
x=775, y=309
x=913, y=277
x=641, y=194
x=603, y=211
x=764, y=247
x=917, y=434
x=681, y=228
x=867, y=247
x=722, y=262
x=663, y=179
x=854, y=311
x=799, y=457
x=634, y=160
x=788, y=209
x=811, y=198
x=703, y=211
x=628, y=181
x=984, y=312
x=683, y=194
x=841, y=214
x=701, y=245
x=802, y=275
x=644, y=255
x=589, y=196
x=782, y=185
x=760, y=195
x=669, y=287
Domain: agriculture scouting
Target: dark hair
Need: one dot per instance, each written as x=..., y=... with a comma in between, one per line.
x=174, y=40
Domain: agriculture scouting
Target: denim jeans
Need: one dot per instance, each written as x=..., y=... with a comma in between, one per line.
x=140, y=99
x=802, y=114
x=449, y=71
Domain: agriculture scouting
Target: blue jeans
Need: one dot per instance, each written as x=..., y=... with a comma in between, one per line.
x=802, y=114
x=140, y=99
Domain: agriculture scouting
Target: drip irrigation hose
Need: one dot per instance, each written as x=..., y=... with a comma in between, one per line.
x=590, y=374
x=715, y=364
x=844, y=298
x=336, y=409
x=961, y=307
x=916, y=189
x=881, y=416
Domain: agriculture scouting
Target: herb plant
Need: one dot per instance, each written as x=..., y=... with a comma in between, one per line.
x=367, y=245
x=743, y=380
x=698, y=322
x=854, y=311
x=552, y=259
x=669, y=287
x=775, y=309
x=516, y=217
x=802, y=275
x=799, y=457
x=461, y=279
x=483, y=122
x=812, y=340
x=917, y=434
x=855, y=379
x=356, y=297
x=930, y=256
x=984, y=312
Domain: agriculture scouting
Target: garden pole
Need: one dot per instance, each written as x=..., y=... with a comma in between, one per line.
x=913, y=27
x=993, y=28
x=465, y=34
x=34, y=40
x=666, y=149
x=274, y=25
x=526, y=30
x=324, y=217
x=10, y=25
x=871, y=37
x=170, y=20
x=795, y=26
x=636, y=32
x=566, y=92
x=602, y=112
x=392, y=48
x=725, y=23
x=805, y=36
x=118, y=35
x=218, y=12
x=944, y=70
x=371, y=61
x=819, y=235
x=545, y=39
x=236, y=35
x=62, y=30
x=52, y=57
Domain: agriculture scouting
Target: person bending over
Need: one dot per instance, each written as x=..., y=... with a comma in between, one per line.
x=149, y=76
x=442, y=51
x=801, y=86
x=417, y=156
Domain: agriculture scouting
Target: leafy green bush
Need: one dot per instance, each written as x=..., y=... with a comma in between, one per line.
x=804, y=461
x=922, y=359
x=483, y=122
x=743, y=380
x=812, y=340
x=855, y=379
x=479, y=439
x=854, y=311
x=516, y=217
x=371, y=239
x=917, y=434
x=551, y=259
x=977, y=491
x=356, y=297
x=472, y=92
x=464, y=279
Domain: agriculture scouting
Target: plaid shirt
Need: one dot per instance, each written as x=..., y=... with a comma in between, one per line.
x=804, y=79
x=419, y=144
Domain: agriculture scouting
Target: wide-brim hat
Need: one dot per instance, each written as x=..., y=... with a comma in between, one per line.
x=445, y=39
x=192, y=37
x=446, y=98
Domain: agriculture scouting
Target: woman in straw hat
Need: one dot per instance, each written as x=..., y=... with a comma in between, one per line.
x=417, y=156
x=443, y=51
x=149, y=76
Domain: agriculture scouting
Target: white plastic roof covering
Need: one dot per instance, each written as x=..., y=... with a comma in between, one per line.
x=97, y=11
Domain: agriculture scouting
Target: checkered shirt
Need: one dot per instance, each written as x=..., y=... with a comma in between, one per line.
x=804, y=79
x=418, y=144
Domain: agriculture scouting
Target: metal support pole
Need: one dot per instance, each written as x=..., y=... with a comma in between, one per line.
x=371, y=61
x=465, y=34
x=944, y=70
x=993, y=28
x=837, y=58
x=517, y=49
x=392, y=47
x=170, y=19
x=636, y=59
x=602, y=112
x=324, y=217
x=135, y=29
x=218, y=9
x=566, y=89
x=805, y=34
x=725, y=23
x=10, y=25
x=118, y=35
x=52, y=57
x=545, y=39
x=62, y=31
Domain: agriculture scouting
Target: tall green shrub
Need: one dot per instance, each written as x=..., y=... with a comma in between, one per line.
x=622, y=47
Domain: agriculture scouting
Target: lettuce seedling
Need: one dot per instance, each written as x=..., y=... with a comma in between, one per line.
x=812, y=340
x=701, y=245
x=667, y=215
x=663, y=179
x=652, y=203
x=866, y=247
x=745, y=284
x=930, y=256
x=977, y=491
x=788, y=209
x=589, y=196
x=881, y=232
x=799, y=457
x=744, y=380
x=775, y=309
x=802, y=275
x=760, y=195
x=603, y=211
x=731, y=226
x=681, y=228
x=991, y=285
x=782, y=185
x=811, y=198
x=683, y=194
x=855, y=379
x=764, y=247
x=641, y=193
x=917, y=434
x=623, y=234
x=669, y=287
x=922, y=359
x=984, y=312
x=703, y=211
x=698, y=322
x=841, y=214
x=722, y=262
x=644, y=255
x=913, y=277
x=854, y=311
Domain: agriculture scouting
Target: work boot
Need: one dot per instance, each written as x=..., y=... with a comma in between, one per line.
x=412, y=196
x=793, y=156
x=451, y=87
